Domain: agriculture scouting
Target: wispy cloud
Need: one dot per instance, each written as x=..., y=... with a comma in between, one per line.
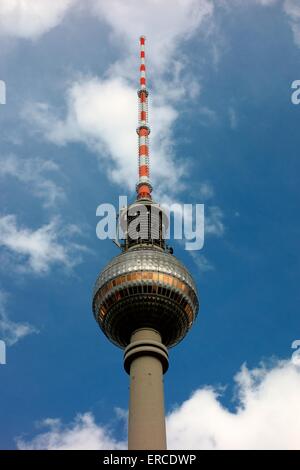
x=266, y=2
x=39, y=250
x=35, y=173
x=31, y=19
x=207, y=115
x=205, y=191
x=292, y=10
x=201, y=261
x=11, y=331
x=267, y=416
x=214, y=221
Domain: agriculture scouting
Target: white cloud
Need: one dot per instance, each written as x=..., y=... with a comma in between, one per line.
x=10, y=331
x=31, y=18
x=164, y=23
x=292, y=9
x=34, y=172
x=267, y=416
x=103, y=115
x=38, y=250
x=82, y=434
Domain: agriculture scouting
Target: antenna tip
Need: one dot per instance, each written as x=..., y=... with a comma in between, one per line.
x=142, y=39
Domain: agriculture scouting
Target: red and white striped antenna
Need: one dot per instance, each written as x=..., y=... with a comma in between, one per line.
x=143, y=186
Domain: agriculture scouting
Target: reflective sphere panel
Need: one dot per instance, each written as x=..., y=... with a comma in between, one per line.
x=145, y=287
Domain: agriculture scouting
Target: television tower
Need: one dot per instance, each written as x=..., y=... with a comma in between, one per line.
x=145, y=300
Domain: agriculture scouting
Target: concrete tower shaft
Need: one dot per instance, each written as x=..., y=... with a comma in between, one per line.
x=146, y=360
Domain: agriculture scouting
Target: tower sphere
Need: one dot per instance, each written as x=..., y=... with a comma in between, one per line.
x=145, y=287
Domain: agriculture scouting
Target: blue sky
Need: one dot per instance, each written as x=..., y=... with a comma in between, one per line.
x=224, y=133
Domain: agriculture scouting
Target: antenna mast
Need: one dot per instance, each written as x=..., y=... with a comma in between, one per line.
x=143, y=187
